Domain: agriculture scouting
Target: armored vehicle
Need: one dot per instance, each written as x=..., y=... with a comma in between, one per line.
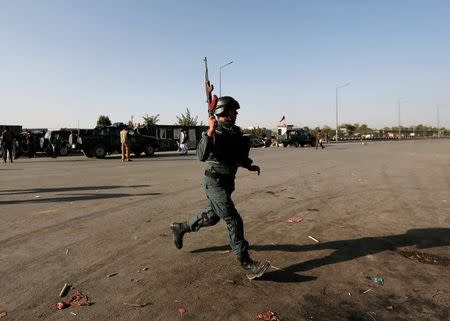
x=104, y=140
x=297, y=137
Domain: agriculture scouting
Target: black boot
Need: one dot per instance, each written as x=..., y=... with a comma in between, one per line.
x=179, y=229
x=253, y=269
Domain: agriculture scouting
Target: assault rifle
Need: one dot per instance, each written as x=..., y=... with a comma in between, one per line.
x=210, y=99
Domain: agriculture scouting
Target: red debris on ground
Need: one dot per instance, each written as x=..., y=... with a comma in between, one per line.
x=181, y=311
x=295, y=219
x=267, y=316
x=76, y=299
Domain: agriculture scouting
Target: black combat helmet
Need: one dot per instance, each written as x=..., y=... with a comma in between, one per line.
x=224, y=104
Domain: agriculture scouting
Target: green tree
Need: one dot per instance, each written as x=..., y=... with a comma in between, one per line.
x=130, y=124
x=151, y=120
x=103, y=120
x=187, y=119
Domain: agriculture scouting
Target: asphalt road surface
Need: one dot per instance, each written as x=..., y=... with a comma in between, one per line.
x=378, y=210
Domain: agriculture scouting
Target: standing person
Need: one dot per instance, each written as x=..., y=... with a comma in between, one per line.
x=30, y=144
x=319, y=139
x=183, y=142
x=56, y=144
x=224, y=148
x=125, y=143
x=7, y=144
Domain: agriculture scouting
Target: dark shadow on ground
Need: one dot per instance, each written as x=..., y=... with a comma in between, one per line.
x=74, y=198
x=346, y=250
x=65, y=189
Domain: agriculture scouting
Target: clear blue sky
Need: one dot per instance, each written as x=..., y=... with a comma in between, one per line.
x=67, y=61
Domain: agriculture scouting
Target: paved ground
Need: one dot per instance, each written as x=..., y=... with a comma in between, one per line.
x=381, y=209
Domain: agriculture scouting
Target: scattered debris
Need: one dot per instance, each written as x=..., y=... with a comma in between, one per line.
x=436, y=294
x=314, y=239
x=295, y=219
x=136, y=305
x=233, y=282
x=390, y=307
x=267, y=316
x=37, y=196
x=163, y=235
x=65, y=290
x=270, y=192
x=377, y=280
x=67, y=251
x=312, y=209
x=61, y=305
x=181, y=311
x=225, y=252
x=145, y=269
x=276, y=268
x=349, y=294
x=73, y=313
x=292, y=198
x=368, y=290
x=76, y=299
x=427, y=258
x=112, y=274
x=3, y=314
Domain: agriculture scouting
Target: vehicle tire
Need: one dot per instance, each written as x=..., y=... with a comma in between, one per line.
x=296, y=144
x=149, y=150
x=99, y=151
x=64, y=150
x=137, y=152
x=88, y=154
x=302, y=145
x=285, y=144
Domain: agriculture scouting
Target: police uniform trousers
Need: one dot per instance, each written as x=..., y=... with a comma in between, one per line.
x=221, y=206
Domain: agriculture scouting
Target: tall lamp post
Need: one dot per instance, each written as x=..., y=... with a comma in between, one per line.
x=220, y=77
x=438, y=124
x=337, y=88
x=400, y=100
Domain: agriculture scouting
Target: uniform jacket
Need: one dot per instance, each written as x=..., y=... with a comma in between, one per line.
x=226, y=152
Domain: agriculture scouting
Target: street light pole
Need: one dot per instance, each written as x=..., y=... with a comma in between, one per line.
x=338, y=87
x=220, y=77
x=438, y=125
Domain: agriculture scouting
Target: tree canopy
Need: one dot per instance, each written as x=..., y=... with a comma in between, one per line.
x=103, y=120
x=151, y=120
x=186, y=119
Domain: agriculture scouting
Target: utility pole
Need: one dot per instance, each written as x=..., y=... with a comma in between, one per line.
x=438, y=125
x=338, y=87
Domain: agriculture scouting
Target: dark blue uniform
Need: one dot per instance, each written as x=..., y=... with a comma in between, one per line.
x=223, y=156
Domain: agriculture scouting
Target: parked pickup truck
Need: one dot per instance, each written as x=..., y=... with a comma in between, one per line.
x=104, y=140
